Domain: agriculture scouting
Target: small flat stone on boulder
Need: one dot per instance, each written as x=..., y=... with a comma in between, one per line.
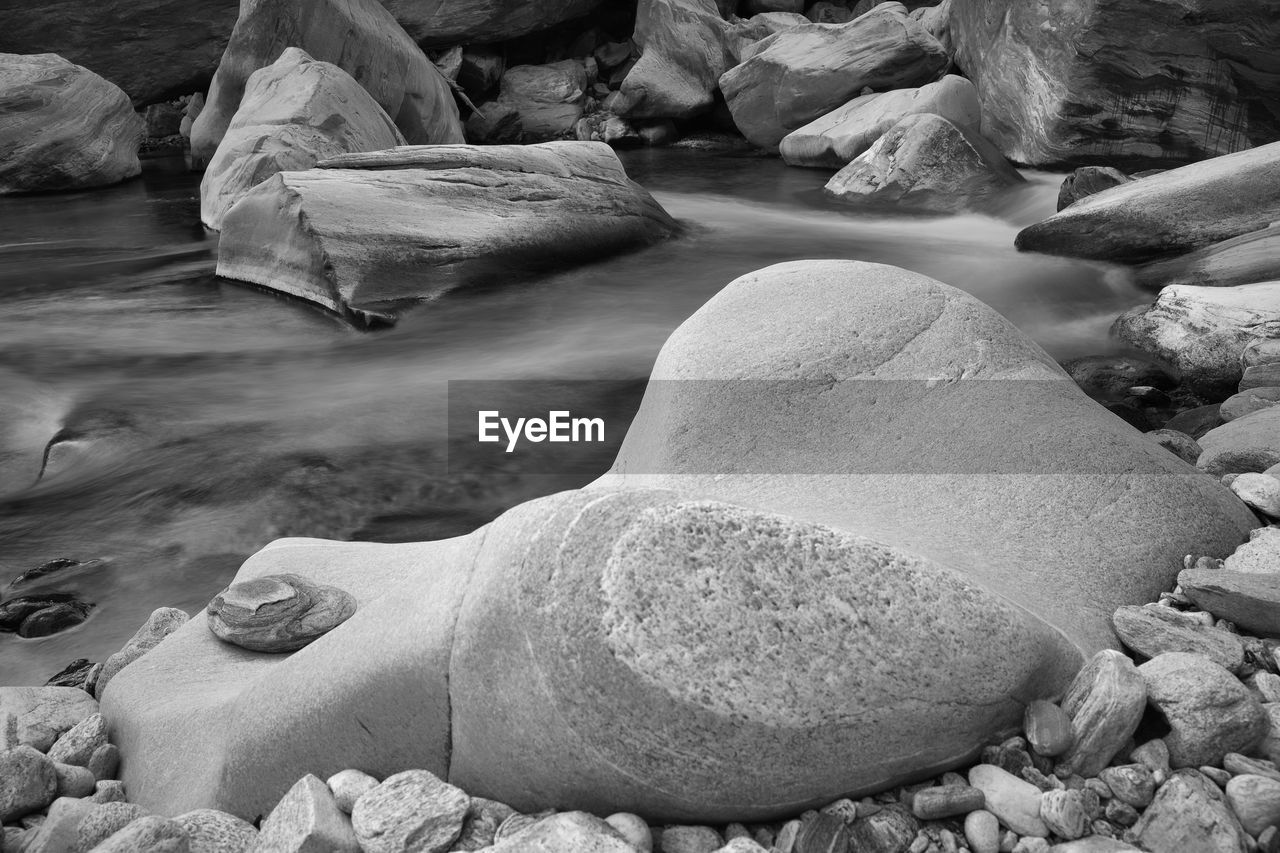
x=278, y=613
x=307, y=819
x=415, y=804
x=1209, y=711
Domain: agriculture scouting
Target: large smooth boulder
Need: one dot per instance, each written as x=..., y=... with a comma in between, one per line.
x=805, y=72
x=1122, y=82
x=684, y=48
x=1246, y=259
x=831, y=141
x=874, y=480
x=1169, y=213
x=366, y=231
x=295, y=112
x=926, y=163
x=548, y=98
x=62, y=127
x=1203, y=331
x=360, y=37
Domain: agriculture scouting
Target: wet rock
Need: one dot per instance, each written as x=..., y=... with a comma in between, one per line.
x=1131, y=783
x=1250, y=600
x=1178, y=443
x=549, y=98
x=104, y=821
x=891, y=828
x=946, y=801
x=78, y=744
x=308, y=818
x=1105, y=702
x=360, y=37
x=28, y=783
x=65, y=127
x=350, y=785
x=45, y=713
x=1209, y=711
x=684, y=48
x=150, y=834
x=1189, y=813
x=833, y=140
x=1251, y=443
x=1087, y=180
x=1196, y=422
x=74, y=781
x=1015, y=802
x=413, y=805
x=294, y=113
x=1063, y=813
x=571, y=832
x=924, y=162
x=807, y=71
x=1255, y=801
x=161, y=623
x=1260, y=491
x=74, y=674
x=17, y=610
x=1111, y=377
x=54, y=619
x=278, y=613
x=213, y=831
x=694, y=839
x=1152, y=630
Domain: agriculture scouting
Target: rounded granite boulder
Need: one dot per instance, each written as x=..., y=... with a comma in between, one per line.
x=870, y=523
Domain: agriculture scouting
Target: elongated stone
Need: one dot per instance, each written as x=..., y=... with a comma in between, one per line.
x=1240, y=765
x=1063, y=812
x=79, y=743
x=149, y=834
x=946, y=801
x=1151, y=630
x=823, y=833
x=1048, y=728
x=413, y=805
x=161, y=623
x=1015, y=802
x=1105, y=703
x=1250, y=600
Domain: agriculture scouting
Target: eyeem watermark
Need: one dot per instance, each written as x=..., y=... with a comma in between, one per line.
x=559, y=427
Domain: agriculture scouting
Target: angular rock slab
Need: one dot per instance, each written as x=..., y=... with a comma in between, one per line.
x=1249, y=599
x=365, y=232
x=360, y=37
x=62, y=127
x=732, y=645
x=1175, y=211
x=805, y=72
x=1121, y=82
x=831, y=141
x=294, y=113
x=162, y=622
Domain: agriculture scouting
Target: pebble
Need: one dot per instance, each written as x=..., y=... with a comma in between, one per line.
x=1031, y=844
x=480, y=828
x=1266, y=685
x=741, y=845
x=414, y=804
x=213, y=831
x=58, y=832
x=1048, y=728
x=846, y=810
x=308, y=818
x=824, y=833
x=890, y=829
x=567, y=832
x=44, y=713
x=1015, y=802
x=1105, y=701
x=1131, y=783
x=786, y=840
x=160, y=624
x=1255, y=801
x=28, y=783
x=108, y=791
x=697, y=839
x=1154, y=755
x=350, y=785
x=1152, y=630
x=737, y=830
x=73, y=781
x=946, y=801
x=1209, y=712
x=150, y=834
x=1259, y=491
x=982, y=831
x=1120, y=813
x=79, y=743
x=634, y=829
x=1249, y=599
x=278, y=613
x=1189, y=813
x=105, y=762
x=1216, y=775
x=104, y=821
x=1063, y=813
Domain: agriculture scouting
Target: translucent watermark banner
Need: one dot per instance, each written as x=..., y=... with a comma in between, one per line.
x=819, y=427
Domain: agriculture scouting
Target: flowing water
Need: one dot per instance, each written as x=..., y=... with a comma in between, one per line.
x=196, y=419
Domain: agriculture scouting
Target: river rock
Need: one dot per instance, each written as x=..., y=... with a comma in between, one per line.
x=1093, y=844
x=349, y=786
x=1152, y=630
x=494, y=123
x=692, y=839
x=1260, y=491
x=1172, y=212
x=1087, y=180
x=982, y=831
x=1247, y=259
x=1255, y=801
x=104, y=821
x=1189, y=813
x=1202, y=331
x=1015, y=802
x=1047, y=728
x=212, y=831
x=45, y=713
x=1259, y=377
x=1247, y=444
x=807, y=71
x=924, y=162
x=567, y=832
x=57, y=834
x=360, y=37
x=63, y=127
x=480, y=828
x=150, y=834
x=549, y=98
x=1105, y=701
x=74, y=781
x=1209, y=711
x=444, y=23
x=831, y=141
x=1125, y=84
x=294, y=113
x=79, y=742
x=161, y=623
x=684, y=50
x=585, y=605
x=890, y=828
x=1247, y=402
x=1063, y=813
x=1112, y=377
x=481, y=70
x=1178, y=443
x=1132, y=783
x=1250, y=600
x=308, y=818
x=946, y=801
x=1260, y=554
x=279, y=613
x=410, y=809
x=28, y=783
x=365, y=230
x=105, y=762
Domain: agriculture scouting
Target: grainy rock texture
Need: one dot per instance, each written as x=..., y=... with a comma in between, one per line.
x=308, y=818
x=1116, y=83
x=1246, y=259
x=294, y=113
x=44, y=713
x=548, y=98
x=360, y=37
x=1209, y=711
x=161, y=623
x=1251, y=443
x=1190, y=813
x=364, y=231
x=410, y=810
x=1105, y=701
x=684, y=48
x=1249, y=599
x=62, y=127
x=279, y=613
x=212, y=831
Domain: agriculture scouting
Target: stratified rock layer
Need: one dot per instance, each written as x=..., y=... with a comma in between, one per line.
x=822, y=547
x=367, y=231
x=62, y=127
